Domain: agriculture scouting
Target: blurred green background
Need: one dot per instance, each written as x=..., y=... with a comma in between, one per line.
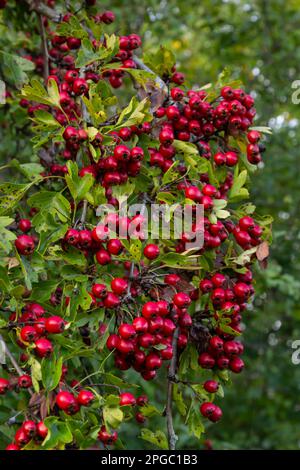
x=259, y=41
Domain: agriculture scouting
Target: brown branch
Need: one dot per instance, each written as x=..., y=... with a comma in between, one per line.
x=12, y=359
x=44, y=47
x=172, y=438
x=84, y=212
x=42, y=9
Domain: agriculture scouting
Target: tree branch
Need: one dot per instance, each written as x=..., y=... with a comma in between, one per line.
x=12, y=359
x=42, y=9
x=44, y=47
x=172, y=438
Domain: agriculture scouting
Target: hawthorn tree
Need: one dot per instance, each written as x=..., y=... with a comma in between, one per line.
x=88, y=316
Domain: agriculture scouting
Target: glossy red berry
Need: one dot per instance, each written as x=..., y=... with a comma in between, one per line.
x=211, y=386
x=29, y=428
x=4, y=385
x=41, y=430
x=24, y=225
x=111, y=301
x=182, y=300
x=150, y=309
x=206, y=361
x=28, y=334
x=153, y=361
x=112, y=342
x=151, y=251
x=55, y=324
x=66, y=401
x=119, y=285
x=43, y=347
x=85, y=397
x=127, y=399
x=25, y=245
x=99, y=290
x=236, y=365
x=127, y=331
x=140, y=324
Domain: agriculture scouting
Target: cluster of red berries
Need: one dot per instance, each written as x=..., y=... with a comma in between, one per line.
x=28, y=431
x=25, y=244
x=70, y=403
x=136, y=343
x=35, y=326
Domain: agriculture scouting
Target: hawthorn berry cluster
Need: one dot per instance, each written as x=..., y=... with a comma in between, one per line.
x=161, y=311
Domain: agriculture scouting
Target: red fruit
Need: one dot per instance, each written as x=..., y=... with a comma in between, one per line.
x=29, y=427
x=207, y=409
x=125, y=346
x=72, y=237
x=231, y=348
x=140, y=418
x=216, y=343
x=24, y=225
x=142, y=400
x=25, y=245
x=137, y=153
x=103, y=257
x=185, y=321
x=111, y=301
x=151, y=251
x=149, y=374
x=85, y=397
x=168, y=327
x=122, y=153
x=41, y=430
x=241, y=290
x=242, y=238
x=21, y=438
x=108, y=17
x=4, y=385
x=70, y=134
x=182, y=300
x=166, y=136
x=150, y=309
x=171, y=279
x=73, y=43
x=106, y=438
x=177, y=94
x=211, y=386
x=43, y=347
x=140, y=324
x=12, y=446
x=236, y=365
x=127, y=399
x=163, y=308
x=112, y=342
x=153, y=361
x=155, y=325
x=114, y=246
x=218, y=296
x=167, y=353
x=253, y=137
x=246, y=223
x=127, y=331
x=193, y=193
x=80, y=86
x=146, y=340
x=28, y=334
x=218, y=280
x=206, y=361
x=231, y=158
x=119, y=285
x=220, y=158
x=178, y=78
x=206, y=285
x=222, y=362
x=55, y=324
x=99, y=290
x=66, y=401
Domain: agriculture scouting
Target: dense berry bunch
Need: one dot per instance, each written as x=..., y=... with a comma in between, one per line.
x=110, y=296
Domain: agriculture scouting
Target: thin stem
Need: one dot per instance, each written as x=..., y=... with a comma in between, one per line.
x=172, y=438
x=44, y=47
x=84, y=212
x=12, y=359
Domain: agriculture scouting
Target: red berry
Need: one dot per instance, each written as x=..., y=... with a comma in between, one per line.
x=127, y=399
x=28, y=334
x=85, y=397
x=24, y=225
x=29, y=427
x=150, y=309
x=25, y=245
x=206, y=361
x=127, y=331
x=43, y=347
x=4, y=385
x=182, y=300
x=153, y=361
x=171, y=279
x=119, y=285
x=140, y=324
x=236, y=365
x=99, y=290
x=112, y=342
x=55, y=324
x=41, y=429
x=211, y=386
x=111, y=301
x=151, y=251
x=231, y=158
x=66, y=401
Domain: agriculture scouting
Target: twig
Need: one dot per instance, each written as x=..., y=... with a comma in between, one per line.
x=12, y=359
x=84, y=211
x=160, y=83
x=42, y=9
x=172, y=438
x=44, y=47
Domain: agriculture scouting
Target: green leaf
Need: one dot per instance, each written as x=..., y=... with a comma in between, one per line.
x=12, y=193
x=88, y=54
x=136, y=249
x=35, y=91
x=74, y=257
x=178, y=399
x=134, y=114
x=194, y=422
x=237, y=192
x=161, y=62
x=53, y=203
x=78, y=186
x=6, y=236
x=158, y=438
x=14, y=68
x=51, y=372
x=36, y=375
x=58, y=433
x=113, y=416
x=170, y=175
x=72, y=27
x=43, y=290
x=30, y=170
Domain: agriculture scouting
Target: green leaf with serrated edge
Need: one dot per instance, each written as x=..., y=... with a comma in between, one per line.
x=6, y=236
x=161, y=62
x=136, y=249
x=170, y=175
x=36, y=375
x=44, y=290
x=72, y=27
x=134, y=114
x=194, y=422
x=58, y=433
x=78, y=186
x=35, y=91
x=158, y=438
x=112, y=416
x=14, y=68
x=12, y=193
x=53, y=203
